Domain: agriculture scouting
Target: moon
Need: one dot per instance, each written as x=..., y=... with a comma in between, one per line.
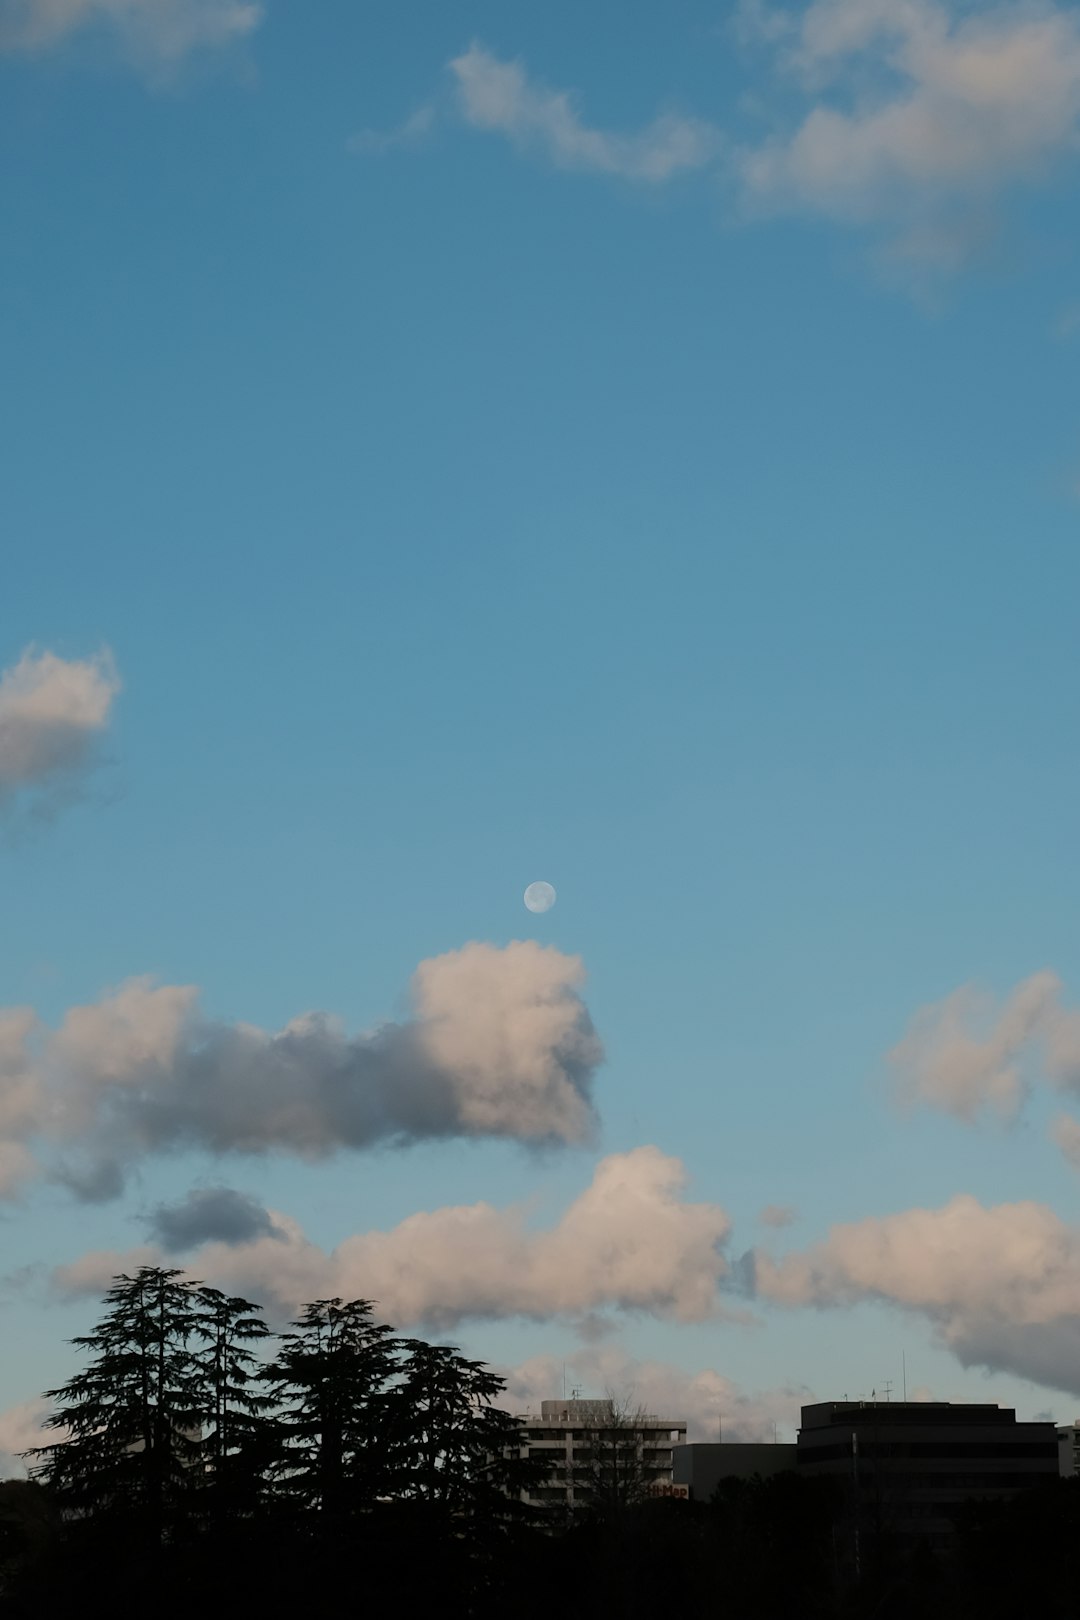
x=539, y=897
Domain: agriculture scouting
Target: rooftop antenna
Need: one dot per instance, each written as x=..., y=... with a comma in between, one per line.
x=903, y=1362
x=888, y=1389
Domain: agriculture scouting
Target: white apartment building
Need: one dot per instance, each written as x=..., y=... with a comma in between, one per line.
x=597, y=1451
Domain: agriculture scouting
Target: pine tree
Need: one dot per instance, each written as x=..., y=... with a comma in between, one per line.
x=459, y=1474
x=130, y=1421
x=330, y=1381
x=241, y=1438
x=451, y=1444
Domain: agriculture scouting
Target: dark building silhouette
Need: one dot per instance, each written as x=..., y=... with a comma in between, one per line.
x=701, y=1467
x=904, y=1468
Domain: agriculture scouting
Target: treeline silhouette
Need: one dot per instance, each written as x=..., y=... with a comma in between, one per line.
x=201, y=1465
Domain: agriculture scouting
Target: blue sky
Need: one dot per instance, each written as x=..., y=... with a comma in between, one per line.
x=472, y=486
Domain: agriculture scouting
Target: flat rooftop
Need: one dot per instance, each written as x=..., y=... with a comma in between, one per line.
x=928, y=1414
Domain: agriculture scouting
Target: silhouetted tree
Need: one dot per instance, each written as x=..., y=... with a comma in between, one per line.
x=452, y=1445
x=241, y=1438
x=130, y=1422
x=458, y=1473
x=329, y=1381
x=221, y=1485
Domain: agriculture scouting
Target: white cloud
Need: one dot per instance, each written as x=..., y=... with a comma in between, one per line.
x=498, y=96
x=917, y=115
x=52, y=713
x=165, y=30
x=91, y=1274
x=963, y=1055
x=629, y=1242
x=511, y=1024
x=1001, y=1284
x=128, y=1038
x=500, y=1044
x=710, y=1403
x=944, y=1063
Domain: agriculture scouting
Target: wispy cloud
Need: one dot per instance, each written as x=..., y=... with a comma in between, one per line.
x=631, y=1241
x=966, y=1055
x=963, y=1056
x=162, y=30
x=500, y=1045
x=498, y=96
x=53, y=714
x=915, y=117
x=411, y=132
x=910, y=120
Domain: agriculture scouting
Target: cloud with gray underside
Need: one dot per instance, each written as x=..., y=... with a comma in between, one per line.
x=54, y=713
x=210, y=1215
x=999, y=1284
x=500, y=1044
x=632, y=1241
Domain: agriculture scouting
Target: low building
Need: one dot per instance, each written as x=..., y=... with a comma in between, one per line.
x=905, y=1467
x=1068, y=1438
x=597, y=1453
x=702, y=1467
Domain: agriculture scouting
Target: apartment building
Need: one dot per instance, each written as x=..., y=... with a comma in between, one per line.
x=600, y=1455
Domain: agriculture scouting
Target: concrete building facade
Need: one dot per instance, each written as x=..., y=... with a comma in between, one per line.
x=1068, y=1437
x=595, y=1451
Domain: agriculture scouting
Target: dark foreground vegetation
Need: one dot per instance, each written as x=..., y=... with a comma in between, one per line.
x=203, y=1467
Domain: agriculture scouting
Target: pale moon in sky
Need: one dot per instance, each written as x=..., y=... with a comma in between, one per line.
x=539, y=897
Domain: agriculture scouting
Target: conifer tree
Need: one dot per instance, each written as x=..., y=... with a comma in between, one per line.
x=130, y=1421
x=240, y=1436
x=330, y=1381
x=459, y=1475
x=451, y=1444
